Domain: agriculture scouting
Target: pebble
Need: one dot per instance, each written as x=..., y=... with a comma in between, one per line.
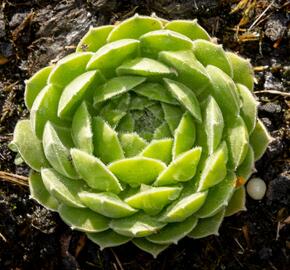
x=256, y=188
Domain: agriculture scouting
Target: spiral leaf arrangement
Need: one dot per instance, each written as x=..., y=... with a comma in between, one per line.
x=146, y=133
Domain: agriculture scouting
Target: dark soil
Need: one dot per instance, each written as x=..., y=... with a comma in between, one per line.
x=33, y=33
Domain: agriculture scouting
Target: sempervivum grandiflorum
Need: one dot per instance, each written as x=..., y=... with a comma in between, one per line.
x=146, y=134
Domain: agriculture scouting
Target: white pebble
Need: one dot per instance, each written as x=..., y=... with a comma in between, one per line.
x=256, y=188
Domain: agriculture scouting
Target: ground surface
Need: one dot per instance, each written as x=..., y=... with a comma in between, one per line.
x=32, y=33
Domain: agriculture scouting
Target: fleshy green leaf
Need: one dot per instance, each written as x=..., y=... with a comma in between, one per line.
x=224, y=92
x=146, y=67
x=27, y=144
x=248, y=165
x=249, y=107
x=237, y=202
x=137, y=171
x=214, y=170
x=185, y=96
x=106, y=143
x=73, y=94
x=147, y=246
x=190, y=71
x=181, y=169
x=189, y=28
x=213, y=124
x=173, y=232
x=155, y=91
x=242, y=70
x=126, y=124
x=159, y=149
x=111, y=55
x=116, y=86
x=132, y=144
x=94, y=39
x=134, y=27
x=35, y=84
x=184, y=135
x=259, y=139
x=69, y=68
x=39, y=193
x=107, y=204
x=83, y=220
x=108, y=239
x=218, y=197
x=207, y=226
x=152, y=199
x=95, y=172
x=57, y=152
x=237, y=141
x=172, y=115
x=163, y=40
x=82, y=133
x=184, y=207
x=209, y=53
x=63, y=189
x=138, y=225
x=162, y=132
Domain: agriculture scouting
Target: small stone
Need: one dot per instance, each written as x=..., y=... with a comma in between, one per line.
x=256, y=188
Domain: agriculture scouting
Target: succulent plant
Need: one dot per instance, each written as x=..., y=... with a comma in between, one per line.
x=147, y=133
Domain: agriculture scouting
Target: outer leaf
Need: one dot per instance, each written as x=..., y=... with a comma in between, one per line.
x=248, y=166
x=214, y=170
x=242, y=70
x=159, y=149
x=184, y=207
x=146, y=67
x=185, y=96
x=181, y=169
x=152, y=199
x=172, y=115
x=147, y=246
x=35, y=84
x=184, y=135
x=207, y=226
x=82, y=133
x=213, y=124
x=76, y=91
x=209, y=53
x=116, y=86
x=218, y=197
x=94, y=39
x=190, y=71
x=249, y=108
x=107, y=204
x=57, y=153
x=260, y=139
x=63, y=189
x=137, y=171
x=237, y=141
x=163, y=40
x=28, y=146
x=113, y=54
x=237, y=202
x=108, y=239
x=95, y=172
x=138, y=225
x=106, y=143
x=155, y=91
x=134, y=27
x=69, y=68
x=83, y=220
x=188, y=28
x=224, y=92
x=39, y=193
x=132, y=144
x=173, y=232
